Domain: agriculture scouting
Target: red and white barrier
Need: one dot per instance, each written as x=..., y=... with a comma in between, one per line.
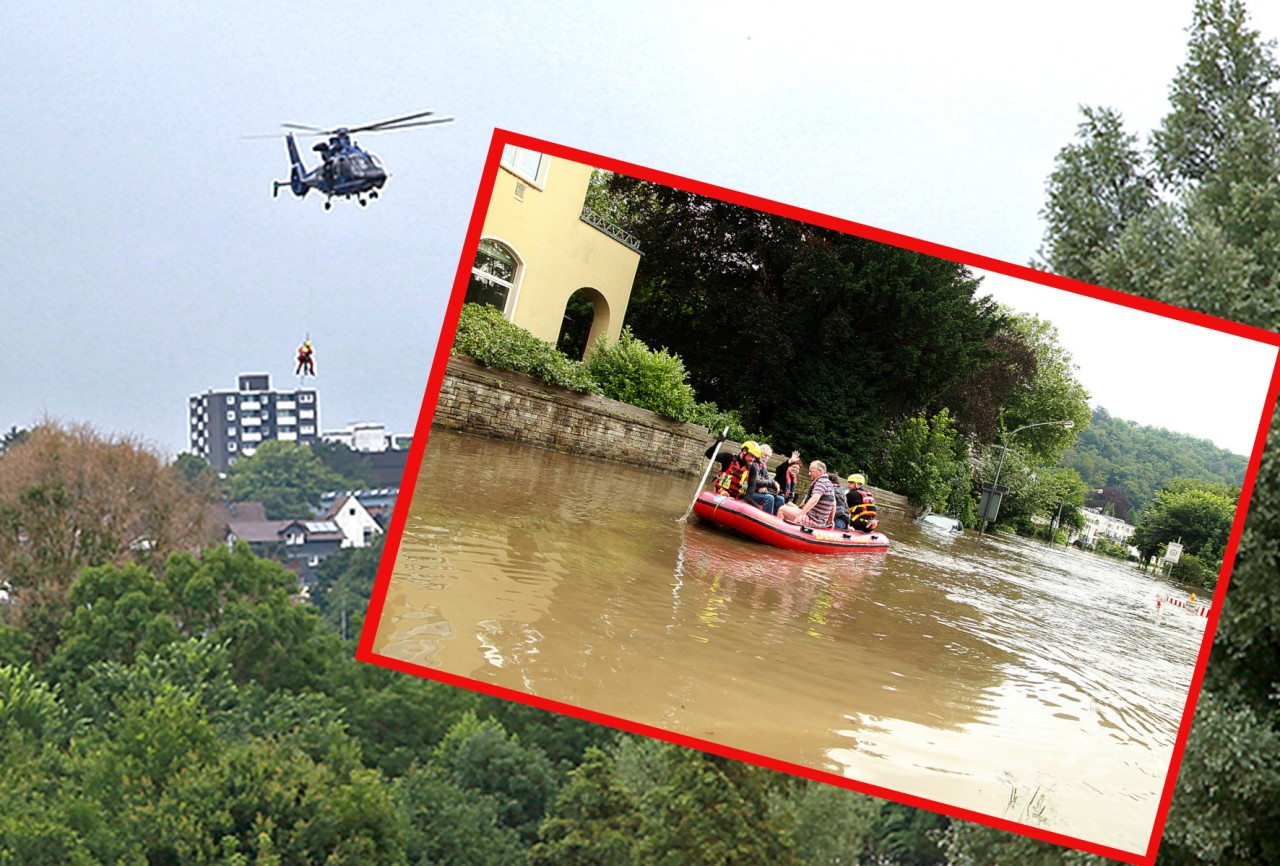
x=1190, y=606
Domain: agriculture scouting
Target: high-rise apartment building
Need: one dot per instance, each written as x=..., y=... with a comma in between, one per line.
x=226, y=424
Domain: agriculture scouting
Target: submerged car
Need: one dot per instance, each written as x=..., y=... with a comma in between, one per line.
x=939, y=521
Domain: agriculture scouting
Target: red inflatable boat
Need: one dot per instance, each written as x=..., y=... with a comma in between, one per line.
x=752, y=522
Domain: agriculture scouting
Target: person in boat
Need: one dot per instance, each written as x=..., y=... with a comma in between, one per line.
x=862, y=505
x=306, y=360
x=786, y=474
x=735, y=480
x=841, y=518
x=724, y=458
x=819, y=504
x=764, y=490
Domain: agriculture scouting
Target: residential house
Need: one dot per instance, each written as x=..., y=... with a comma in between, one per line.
x=298, y=544
x=358, y=526
x=540, y=245
x=378, y=502
x=1098, y=525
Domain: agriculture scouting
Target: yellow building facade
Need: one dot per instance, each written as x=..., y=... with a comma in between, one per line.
x=540, y=245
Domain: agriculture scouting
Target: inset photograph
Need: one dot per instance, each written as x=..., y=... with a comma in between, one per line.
x=816, y=496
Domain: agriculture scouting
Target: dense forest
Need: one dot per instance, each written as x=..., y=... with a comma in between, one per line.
x=1125, y=463
x=168, y=700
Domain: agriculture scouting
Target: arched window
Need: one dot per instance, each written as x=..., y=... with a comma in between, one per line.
x=493, y=277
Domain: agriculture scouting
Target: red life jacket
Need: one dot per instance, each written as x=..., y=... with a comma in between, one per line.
x=736, y=483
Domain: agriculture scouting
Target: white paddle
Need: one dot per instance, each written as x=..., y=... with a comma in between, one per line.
x=714, y=451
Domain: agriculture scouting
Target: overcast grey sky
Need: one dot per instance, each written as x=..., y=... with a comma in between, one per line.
x=1163, y=372
x=144, y=259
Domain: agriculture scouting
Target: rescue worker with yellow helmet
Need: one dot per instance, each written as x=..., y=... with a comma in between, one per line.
x=735, y=479
x=862, y=505
x=306, y=360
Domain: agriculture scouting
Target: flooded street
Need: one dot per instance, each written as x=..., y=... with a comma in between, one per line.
x=1001, y=675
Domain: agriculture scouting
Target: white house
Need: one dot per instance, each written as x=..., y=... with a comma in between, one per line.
x=1098, y=525
x=354, y=520
x=367, y=437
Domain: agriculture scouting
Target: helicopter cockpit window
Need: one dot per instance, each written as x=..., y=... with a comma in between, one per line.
x=493, y=275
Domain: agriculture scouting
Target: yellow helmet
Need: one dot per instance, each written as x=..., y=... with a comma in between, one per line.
x=857, y=478
x=752, y=448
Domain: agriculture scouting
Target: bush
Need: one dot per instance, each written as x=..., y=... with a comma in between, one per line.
x=715, y=419
x=924, y=460
x=1107, y=547
x=633, y=373
x=483, y=334
x=1196, y=571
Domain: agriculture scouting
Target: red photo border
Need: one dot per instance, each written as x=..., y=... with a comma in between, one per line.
x=395, y=530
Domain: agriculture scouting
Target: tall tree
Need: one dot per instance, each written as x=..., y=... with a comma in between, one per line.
x=1099, y=185
x=1053, y=394
x=595, y=820
x=482, y=755
x=1224, y=113
x=71, y=497
x=977, y=401
x=927, y=462
x=357, y=468
x=1213, y=244
x=1197, y=514
x=711, y=812
x=285, y=477
x=821, y=339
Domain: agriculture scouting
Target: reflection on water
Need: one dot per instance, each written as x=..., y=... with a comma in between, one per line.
x=1004, y=676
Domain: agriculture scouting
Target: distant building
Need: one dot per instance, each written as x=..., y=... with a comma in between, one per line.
x=378, y=502
x=367, y=437
x=299, y=544
x=386, y=453
x=358, y=525
x=226, y=424
x=1098, y=525
x=540, y=245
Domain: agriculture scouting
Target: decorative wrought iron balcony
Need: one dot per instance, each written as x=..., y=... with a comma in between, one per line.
x=620, y=235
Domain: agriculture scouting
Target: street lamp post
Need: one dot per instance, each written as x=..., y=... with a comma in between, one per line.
x=1004, y=450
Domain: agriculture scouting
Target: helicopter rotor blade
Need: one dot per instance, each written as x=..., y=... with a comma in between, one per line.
x=392, y=122
x=404, y=121
x=433, y=121
x=307, y=128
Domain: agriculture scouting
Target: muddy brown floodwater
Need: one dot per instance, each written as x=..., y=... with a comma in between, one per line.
x=1019, y=680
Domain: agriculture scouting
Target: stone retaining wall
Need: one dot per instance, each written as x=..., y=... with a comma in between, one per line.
x=506, y=405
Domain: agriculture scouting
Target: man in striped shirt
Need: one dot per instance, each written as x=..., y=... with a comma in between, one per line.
x=819, y=504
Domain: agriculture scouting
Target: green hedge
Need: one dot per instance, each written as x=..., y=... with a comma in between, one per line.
x=631, y=372
x=628, y=371
x=483, y=334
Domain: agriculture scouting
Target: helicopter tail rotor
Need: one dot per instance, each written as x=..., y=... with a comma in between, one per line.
x=296, y=184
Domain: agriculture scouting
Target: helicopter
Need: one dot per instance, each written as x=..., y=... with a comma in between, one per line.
x=345, y=169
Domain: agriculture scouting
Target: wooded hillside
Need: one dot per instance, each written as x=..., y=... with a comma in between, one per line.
x=1122, y=456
